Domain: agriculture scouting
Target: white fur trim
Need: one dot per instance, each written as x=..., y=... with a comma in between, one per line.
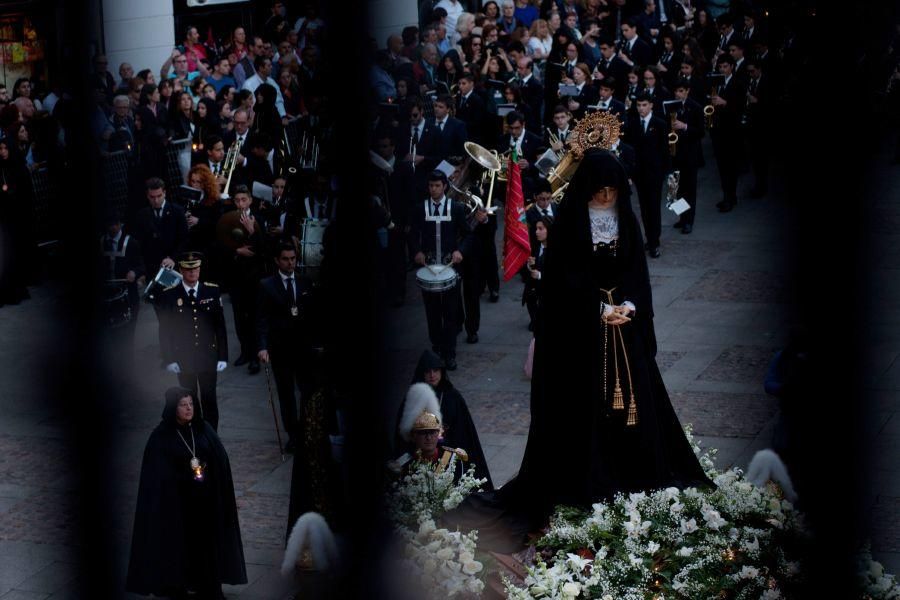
x=311, y=531
x=419, y=398
x=767, y=466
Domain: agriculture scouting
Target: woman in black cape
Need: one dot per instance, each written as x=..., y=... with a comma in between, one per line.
x=580, y=449
x=459, y=428
x=186, y=532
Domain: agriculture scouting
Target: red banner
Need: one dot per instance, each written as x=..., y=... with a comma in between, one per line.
x=516, y=246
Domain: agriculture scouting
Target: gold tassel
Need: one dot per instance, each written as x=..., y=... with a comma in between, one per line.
x=632, y=412
x=618, y=397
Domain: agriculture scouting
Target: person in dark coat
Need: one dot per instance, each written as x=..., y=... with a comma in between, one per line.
x=451, y=132
x=729, y=101
x=16, y=225
x=285, y=322
x=471, y=109
x=441, y=307
x=688, y=151
x=648, y=134
x=186, y=531
x=192, y=334
x=459, y=428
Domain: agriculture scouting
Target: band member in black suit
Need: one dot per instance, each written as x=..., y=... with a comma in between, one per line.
x=532, y=91
x=441, y=308
x=531, y=294
x=606, y=101
x=214, y=148
x=670, y=58
x=729, y=102
x=192, y=328
x=388, y=186
x=612, y=66
x=737, y=51
x=415, y=144
x=122, y=260
x=695, y=81
x=451, y=132
x=244, y=265
x=652, y=87
x=635, y=52
x=526, y=144
x=286, y=334
x=648, y=135
x=321, y=203
x=542, y=207
x=476, y=269
x=471, y=110
x=757, y=118
x=587, y=94
x=688, y=152
x=560, y=130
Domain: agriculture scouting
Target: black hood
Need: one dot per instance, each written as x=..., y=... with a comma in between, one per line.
x=173, y=395
x=431, y=360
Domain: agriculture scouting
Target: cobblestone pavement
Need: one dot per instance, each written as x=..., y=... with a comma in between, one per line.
x=718, y=298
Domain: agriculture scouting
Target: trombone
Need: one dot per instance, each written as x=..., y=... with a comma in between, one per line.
x=229, y=164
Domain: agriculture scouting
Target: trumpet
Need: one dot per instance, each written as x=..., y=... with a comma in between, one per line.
x=709, y=110
x=673, y=137
x=554, y=140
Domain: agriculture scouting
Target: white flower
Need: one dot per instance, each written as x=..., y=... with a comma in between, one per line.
x=601, y=553
x=571, y=589
x=676, y=508
x=689, y=526
x=539, y=590
x=577, y=563
x=672, y=493
x=474, y=586
x=685, y=551
x=635, y=560
x=607, y=597
x=876, y=570
x=652, y=548
x=637, y=528
x=712, y=517
x=748, y=572
x=752, y=546
x=465, y=556
x=430, y=565
x=425, y=528
x=770, y=595
x=471, y=567
x=433, y=547
x=444, y=554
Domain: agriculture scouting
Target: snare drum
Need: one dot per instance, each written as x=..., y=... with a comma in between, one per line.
x=311, y=247
x=116, y=307
x=436, y=278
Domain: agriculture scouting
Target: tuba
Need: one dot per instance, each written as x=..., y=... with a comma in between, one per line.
x=480, y=169
x=231, y=232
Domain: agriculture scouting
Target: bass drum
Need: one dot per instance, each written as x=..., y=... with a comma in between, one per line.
x=311, y=247
x=116, y=307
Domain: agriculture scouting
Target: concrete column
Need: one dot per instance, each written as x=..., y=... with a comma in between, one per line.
x=140, y=32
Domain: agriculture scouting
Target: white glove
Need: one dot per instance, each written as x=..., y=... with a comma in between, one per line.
x=173, y=368
x=220, y=366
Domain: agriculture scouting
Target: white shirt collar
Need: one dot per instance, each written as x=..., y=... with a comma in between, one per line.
x=525, y=79
x=188, y=288
x=285, y=277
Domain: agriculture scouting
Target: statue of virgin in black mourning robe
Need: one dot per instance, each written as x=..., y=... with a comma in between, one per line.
x=580, y=448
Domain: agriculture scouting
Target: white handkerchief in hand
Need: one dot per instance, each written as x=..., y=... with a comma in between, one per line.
x=220, y=366
x=173, y=368
x=679, y=206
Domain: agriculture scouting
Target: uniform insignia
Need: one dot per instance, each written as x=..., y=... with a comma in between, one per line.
x=215, y=285
x=180, y=302
x=206, y=300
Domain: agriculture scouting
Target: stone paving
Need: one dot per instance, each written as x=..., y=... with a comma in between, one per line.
x=719, y=296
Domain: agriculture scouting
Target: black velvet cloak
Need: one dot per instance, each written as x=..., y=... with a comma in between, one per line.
x=459, y=428
x=579, y=450
x=186, y=534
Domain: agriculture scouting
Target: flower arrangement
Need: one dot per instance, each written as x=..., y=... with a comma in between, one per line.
x=734, y=541
x=442, y=562
x=873, y=581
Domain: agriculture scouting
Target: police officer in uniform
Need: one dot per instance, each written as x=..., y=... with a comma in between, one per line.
x=192, y=330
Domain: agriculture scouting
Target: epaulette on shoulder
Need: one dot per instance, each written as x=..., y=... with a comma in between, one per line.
x=210, y=284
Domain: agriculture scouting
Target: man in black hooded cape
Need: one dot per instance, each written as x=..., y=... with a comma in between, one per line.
x=186, y=532
x=580, y=450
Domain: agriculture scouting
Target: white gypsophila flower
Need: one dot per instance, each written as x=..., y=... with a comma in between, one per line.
x=685, y=551
x=752, y=546
x=652, y=548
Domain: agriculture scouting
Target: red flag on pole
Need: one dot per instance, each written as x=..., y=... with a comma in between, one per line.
x=516, y=246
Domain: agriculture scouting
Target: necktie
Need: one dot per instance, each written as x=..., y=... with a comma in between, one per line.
x=435, y=209
x=645, y=121
x=605, y=64
x=441, y=126
x=546, y=214
x=415, y=136
x=192, y=293
x=110, y=245
x=158, y=213
x=215, y=168
x=289, y=284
